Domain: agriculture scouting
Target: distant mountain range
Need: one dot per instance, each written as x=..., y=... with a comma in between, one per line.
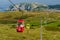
x=28, y=6
x=2, y=10
x=31, y=6
x=57, y=7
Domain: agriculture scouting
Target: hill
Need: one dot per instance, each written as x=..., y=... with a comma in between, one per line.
x=13, y=16
x=50, y=28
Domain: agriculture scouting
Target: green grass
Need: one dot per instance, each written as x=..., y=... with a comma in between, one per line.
x=55, y=24
x=7, y=33
x=51, y=31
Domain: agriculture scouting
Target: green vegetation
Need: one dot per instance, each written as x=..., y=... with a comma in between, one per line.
x=51, y=28
x=8, y=33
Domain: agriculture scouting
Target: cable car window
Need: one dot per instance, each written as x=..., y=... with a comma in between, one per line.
x=19, y=23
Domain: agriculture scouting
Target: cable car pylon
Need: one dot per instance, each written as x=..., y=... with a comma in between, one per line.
x=40, y=27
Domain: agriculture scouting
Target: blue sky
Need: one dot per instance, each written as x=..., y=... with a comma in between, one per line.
x=6, y=3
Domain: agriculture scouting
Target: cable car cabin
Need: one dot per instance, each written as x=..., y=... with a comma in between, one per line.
x=20, y=26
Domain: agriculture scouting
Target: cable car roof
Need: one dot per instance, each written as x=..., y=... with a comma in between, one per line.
x=20, y=20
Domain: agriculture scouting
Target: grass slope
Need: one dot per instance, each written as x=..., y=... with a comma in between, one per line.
x=8, y=33
x=51, y=31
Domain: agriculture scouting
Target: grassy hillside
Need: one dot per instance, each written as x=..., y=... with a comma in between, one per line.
x=51, y=25
x=8, y=33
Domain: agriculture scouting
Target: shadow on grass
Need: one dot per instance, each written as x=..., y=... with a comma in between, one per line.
x=7, y=22
x=52, y=28
x=10, y=23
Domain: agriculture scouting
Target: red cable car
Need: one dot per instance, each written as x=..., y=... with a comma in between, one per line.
x=20, y=26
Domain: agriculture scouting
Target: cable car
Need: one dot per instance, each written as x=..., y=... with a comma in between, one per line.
x=20, y=25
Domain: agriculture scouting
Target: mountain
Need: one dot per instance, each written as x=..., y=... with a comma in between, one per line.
x=54, y=7
x=2, y=10
x=28, y=6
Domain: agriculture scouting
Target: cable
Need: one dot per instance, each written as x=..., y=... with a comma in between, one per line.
x=12, y=3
